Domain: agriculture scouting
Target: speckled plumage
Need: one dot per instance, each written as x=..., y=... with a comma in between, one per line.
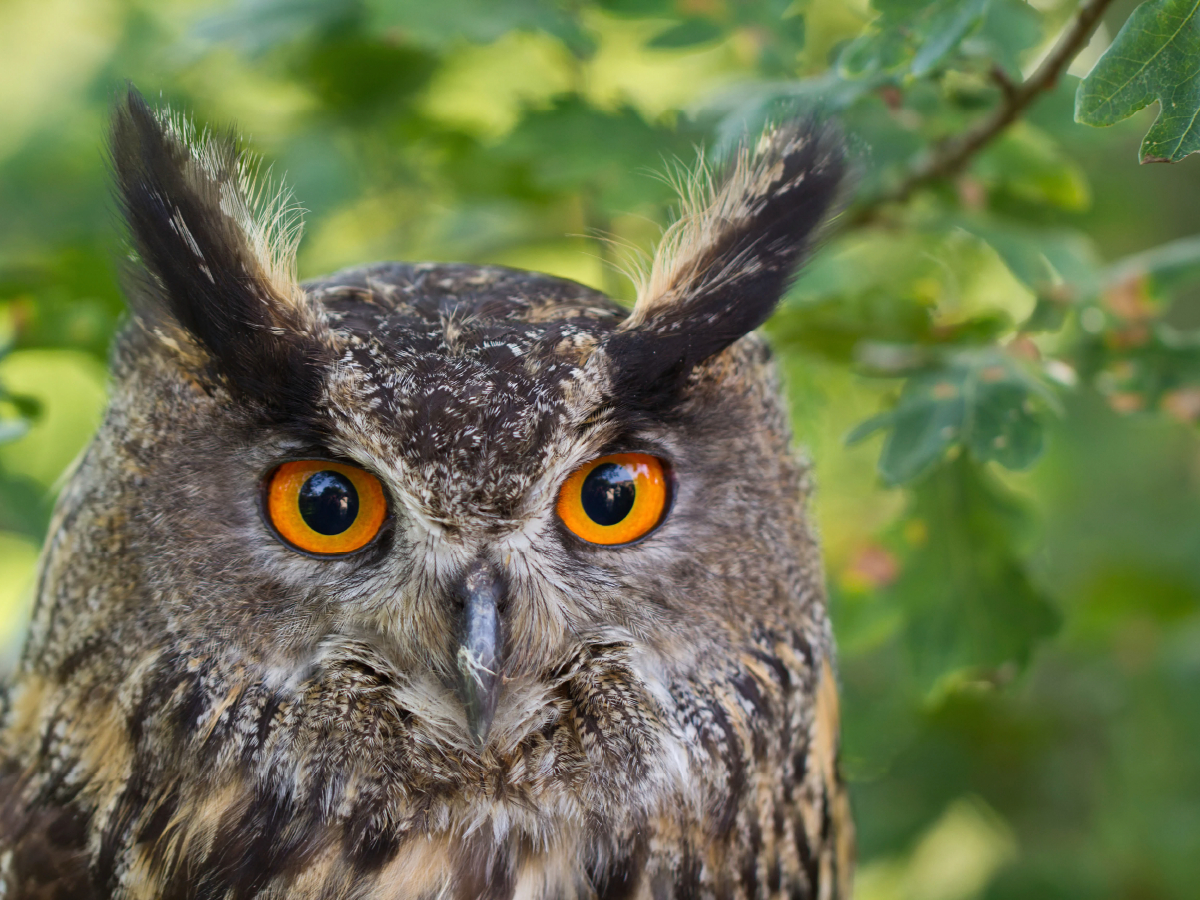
x=203, y=712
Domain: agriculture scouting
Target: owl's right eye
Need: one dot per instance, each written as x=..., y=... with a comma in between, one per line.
x=325, y=507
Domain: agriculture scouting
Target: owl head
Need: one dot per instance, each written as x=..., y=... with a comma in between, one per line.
x=421, y=573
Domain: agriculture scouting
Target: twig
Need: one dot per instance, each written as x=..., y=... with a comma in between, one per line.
x=950, y=157
x=1008, y=87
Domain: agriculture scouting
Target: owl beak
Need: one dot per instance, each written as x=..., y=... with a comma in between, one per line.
x=479, y=648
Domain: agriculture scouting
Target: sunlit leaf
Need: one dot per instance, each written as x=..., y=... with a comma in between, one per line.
x=1018, y=248
x=1027, y=165
x=1154, y=57
x=1057, y=262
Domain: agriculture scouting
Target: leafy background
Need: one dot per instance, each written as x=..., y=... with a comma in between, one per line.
x=995, y=360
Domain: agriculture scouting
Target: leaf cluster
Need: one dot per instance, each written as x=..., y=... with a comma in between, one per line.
x=1004, y=324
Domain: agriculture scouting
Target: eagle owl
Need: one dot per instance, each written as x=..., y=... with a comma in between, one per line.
x=432, y=581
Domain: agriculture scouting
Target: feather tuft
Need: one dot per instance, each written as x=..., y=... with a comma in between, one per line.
x=215, y=279
x=724, y=264
x=261, y=209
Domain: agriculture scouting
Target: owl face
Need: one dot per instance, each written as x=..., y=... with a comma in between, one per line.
x=468, y=415
x=436, y=575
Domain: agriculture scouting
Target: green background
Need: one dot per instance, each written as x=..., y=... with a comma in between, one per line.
x=1012, y=539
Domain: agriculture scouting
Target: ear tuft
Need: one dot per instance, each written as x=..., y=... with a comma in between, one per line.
x=722, y=267
x=216, y=252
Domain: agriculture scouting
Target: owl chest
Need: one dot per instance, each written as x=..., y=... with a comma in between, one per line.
x=230, y=787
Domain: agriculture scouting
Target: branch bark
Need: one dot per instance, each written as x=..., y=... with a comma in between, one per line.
x=950, y=157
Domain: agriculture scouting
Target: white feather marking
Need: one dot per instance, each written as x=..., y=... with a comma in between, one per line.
x=260, y=207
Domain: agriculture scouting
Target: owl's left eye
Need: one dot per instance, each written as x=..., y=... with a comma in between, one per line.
x=325, y=507
x=615, y=499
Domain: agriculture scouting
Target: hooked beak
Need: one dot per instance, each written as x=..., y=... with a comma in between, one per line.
x=480, y=646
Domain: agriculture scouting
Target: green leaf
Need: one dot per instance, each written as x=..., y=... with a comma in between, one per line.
x=982, y=400
x=29, y=407
x=637, y=7
x=1154, y=57
x=1145, y=367
x=967, y=599
x=1170, y=265
x=865, y=287
x=1020, y=253
x=24, y=505
x=1026, y=164
x=597, y=152
x=880, y=287
x=357, y=75
x=26, y=407
x=1048, y=315
x=910, y=35
x=882, y=51
x=1057, y=261
x=442, y=23
x=687, y=33
x=1009, y=29
x=945, y=26
x=255, y=26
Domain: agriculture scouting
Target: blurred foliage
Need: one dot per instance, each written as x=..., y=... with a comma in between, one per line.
x=1012, y=561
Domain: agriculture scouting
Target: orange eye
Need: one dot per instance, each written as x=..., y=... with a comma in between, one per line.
x=325, y=507
x=614, y=499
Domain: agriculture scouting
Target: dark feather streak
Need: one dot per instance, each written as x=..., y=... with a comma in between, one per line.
x=200, y=273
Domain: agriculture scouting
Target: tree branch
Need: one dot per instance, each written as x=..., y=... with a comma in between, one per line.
x=950, y=157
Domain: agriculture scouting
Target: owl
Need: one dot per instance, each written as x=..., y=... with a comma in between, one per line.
x=432, y=581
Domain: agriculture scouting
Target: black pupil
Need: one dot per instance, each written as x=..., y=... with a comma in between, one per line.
x=328, y=502
x=608, y=493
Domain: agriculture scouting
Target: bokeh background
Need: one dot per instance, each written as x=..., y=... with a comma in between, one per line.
x=1012, y=542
